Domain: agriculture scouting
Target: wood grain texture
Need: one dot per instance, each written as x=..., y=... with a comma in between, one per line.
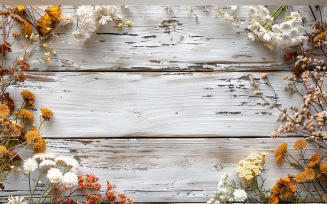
x=161, y=108
x=159, y=41
x=100, y=105
x=164, y=170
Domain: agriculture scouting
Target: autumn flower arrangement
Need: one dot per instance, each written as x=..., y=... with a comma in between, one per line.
x=30, y=26
x=63, y=181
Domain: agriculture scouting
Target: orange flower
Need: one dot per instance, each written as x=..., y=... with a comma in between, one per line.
x=284, y=187
x=323, y=168
x=3, y=150
x=321, y=36
x=26, y=114
x=20, y=8
x=325, y=197
x=32, y=135
x=4, y=110
x=314, y=160
x=45, y=24
x=309, y=173
x=300, y=177
x=279, y=159
x=281, y=150
x=26, y=94
x=319, y=176
x=300, y=144
x=37, y=143
x=27, y=28
x=47, y=113
x=54, y=13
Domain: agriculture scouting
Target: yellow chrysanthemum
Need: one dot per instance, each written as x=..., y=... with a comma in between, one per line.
x=300, y=144
x=281, y=150
x=325, y=197
x=314, y=160
x=47, y=113
x=20, y=8
x=4, y=110
x=309, y=173
x=323, y=168
x=54, y=12
x=45, y=24
x=26, y=114
x=279, y=159
x=300, y=178
x=27, y=28
x=27, y=95
x=3, y=149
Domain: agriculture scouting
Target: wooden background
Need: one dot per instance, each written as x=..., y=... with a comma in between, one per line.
x=162, y=108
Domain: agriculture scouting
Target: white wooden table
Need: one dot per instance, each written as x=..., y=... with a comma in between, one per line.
x=162, y=108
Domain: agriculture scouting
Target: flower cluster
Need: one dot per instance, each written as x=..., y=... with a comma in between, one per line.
x=227, y=192
x=92, y=17
x=229, y=13
x=283, y=35
x=251, y=167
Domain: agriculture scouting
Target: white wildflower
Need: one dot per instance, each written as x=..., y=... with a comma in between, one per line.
x=69, y=179
x=39, y=157
x=30, y=165
x=239, y=195
x=112, y=10
x=65, y=19
x=104, y=20
x=54, y=175
x=85, y=12
x=16, y=200
x=88, y=26
x=285, y=26
x=46, y=165
x=81, y=36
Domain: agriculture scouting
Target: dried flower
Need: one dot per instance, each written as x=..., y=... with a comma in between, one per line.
x=26, y=114
x=47, y=113
x=281, y=150
x=26, y=94
x=323, y=168
x=321, y=36
x=27, y=28
x=300, y=177
x=54, y=175
x=284, y=187
x=4, y=110
x=15, y=200
x=65, y=19
x=30, y=165
x=309, y=173
x=314, y=160
x=44, y=23
x=300, y=144
x=69, y=179
x=3, y=150
x=54, y=13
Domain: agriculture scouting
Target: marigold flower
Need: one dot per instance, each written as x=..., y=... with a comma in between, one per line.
x=54, y=13
x=26, y=94
x=47, y=113
x=281, y=150
x=27, y=28
x=26, y=114
x=44, y=23
x=314, y=160
x=3, y=150
x=325, y=197
x=20, y=8
x=4, y=110
x=284, y=187
x=300, y=177
x=279, y=160
x=300, y=144
x=323, y=168
x=309, y=173
x=321, y=36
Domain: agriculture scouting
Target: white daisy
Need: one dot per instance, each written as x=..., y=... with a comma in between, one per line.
x=85, y=12
x=30, y=165
x=54, y=175
x=70, y=179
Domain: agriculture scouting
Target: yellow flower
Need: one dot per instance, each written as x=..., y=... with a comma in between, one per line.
x=314, y=160
x=26, y=94
x=32, y=135
x=37, y=143
x=26, y=114
x=279, y=159
x=300, y=144
x=300, y=177
x=44, y=23
x=281, y=150
x=325, y=197
x=309, y=173
x=323, y=168
x=47, y=113
x=54, y=13
x=4, y=110
x=20, y=8
x=3, y=149
x=27, y=28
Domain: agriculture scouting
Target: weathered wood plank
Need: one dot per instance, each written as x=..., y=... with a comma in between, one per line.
x=163, y=170
x=97, y=105
x=159, y=41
